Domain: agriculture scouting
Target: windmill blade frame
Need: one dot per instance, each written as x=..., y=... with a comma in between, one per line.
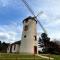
x=28, y=7
x=32, y=12
x=39, y=13
x=42, y=26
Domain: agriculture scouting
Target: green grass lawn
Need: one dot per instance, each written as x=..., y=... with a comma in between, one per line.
x=56, y=57
x=5, y=56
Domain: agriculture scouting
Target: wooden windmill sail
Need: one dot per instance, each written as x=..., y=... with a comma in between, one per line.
x=32, y=12
x=29, y=34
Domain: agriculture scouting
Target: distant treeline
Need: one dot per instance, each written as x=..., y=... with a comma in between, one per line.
x=49, y=46
x=3, y=47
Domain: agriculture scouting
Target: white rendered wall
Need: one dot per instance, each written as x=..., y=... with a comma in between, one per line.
x=16, y=48
x=28, y=43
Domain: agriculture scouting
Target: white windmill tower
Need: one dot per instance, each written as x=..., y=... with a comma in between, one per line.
x=29, y=34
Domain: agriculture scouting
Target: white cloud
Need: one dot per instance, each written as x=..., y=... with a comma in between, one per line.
x=53, y=29
x=54, y=35
x=51, y=10
x=4, y=2
x=11, y=3
x=53, y=23
x=44, y=16
x=10, y=33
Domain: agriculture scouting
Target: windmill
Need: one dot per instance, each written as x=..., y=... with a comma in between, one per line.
x=32, y=12
x=29, y=34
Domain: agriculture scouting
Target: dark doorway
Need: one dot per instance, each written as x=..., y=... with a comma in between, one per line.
x=35, y=49
x=11, y=49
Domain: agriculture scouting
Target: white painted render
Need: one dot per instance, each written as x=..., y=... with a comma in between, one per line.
x=28, y=43
x=16, y=48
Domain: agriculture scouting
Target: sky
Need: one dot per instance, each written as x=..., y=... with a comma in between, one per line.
x=13, y=12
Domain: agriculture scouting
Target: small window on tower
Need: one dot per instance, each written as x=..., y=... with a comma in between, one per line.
x=26, y=28
x=24, y=36
x=35, y=38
